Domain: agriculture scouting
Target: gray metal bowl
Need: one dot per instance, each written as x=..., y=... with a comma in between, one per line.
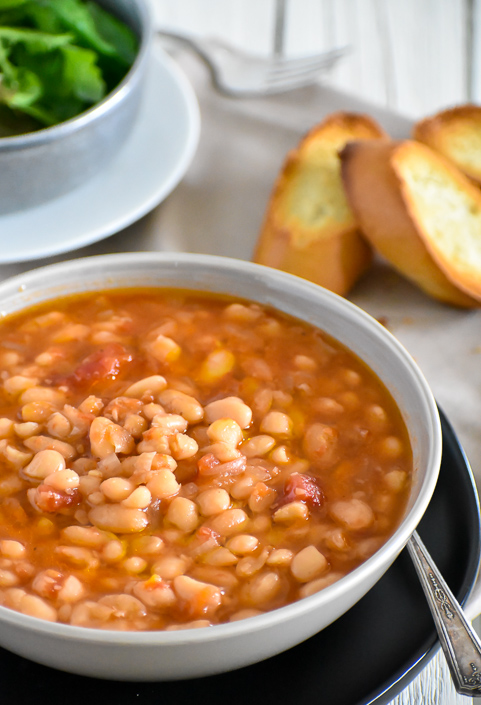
x=39, y=166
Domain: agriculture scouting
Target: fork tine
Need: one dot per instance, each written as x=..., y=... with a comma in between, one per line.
x=297, y=77
x=236, y=73
x=306, y=62
x=274, y=83
x=286, y=83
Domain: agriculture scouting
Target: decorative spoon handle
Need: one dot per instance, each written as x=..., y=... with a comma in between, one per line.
x=460, y=643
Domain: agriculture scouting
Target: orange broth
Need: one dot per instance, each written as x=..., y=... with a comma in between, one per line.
x=170, y=459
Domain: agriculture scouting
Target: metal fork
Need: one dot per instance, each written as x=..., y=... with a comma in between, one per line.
x=236, y=73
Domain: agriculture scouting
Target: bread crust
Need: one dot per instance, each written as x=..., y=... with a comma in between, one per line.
x=456, y=134
x=379, y=195
x=309, y=229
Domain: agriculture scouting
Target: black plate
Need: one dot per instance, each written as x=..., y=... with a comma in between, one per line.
x=367, y=656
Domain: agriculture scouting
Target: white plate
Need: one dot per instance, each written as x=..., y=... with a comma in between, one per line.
x=150, y=165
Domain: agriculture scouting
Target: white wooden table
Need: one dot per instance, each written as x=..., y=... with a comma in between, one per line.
x=414, y=56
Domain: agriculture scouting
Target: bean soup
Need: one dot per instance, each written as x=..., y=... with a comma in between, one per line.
x=170, y=459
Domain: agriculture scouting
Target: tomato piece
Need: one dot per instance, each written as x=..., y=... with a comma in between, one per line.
x=207, y=463
x=204, y=540
x=49, y=500
x=102, y=364
x=302, y=488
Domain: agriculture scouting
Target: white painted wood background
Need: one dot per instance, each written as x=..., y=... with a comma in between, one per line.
x=413, y=56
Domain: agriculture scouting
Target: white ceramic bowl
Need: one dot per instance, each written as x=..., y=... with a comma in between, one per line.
x=199, y=652
x=39, y=166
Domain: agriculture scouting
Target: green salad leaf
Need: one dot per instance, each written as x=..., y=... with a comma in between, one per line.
x=59, y=57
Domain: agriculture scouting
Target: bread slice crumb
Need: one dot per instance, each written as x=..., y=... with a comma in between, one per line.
x=456, y=134
x=309, y=228
x=421, y=213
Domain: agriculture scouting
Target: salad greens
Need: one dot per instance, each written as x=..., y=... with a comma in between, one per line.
x=59, y=57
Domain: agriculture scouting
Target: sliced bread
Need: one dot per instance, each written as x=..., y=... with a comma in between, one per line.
x=309, y=229
x=421, y=213
x=456, y=134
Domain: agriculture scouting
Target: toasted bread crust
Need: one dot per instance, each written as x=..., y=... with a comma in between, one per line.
x=380, y=196
x=309, y=229
x=456, y=134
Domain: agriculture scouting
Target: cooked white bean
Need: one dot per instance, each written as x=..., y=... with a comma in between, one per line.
x=257, y=446
x=107, y=437
x=39, y=443
x=319, y=439
x=149, y=385
x=8, y=578
x=276, y=423
x=307, y=564
x=229, y=408
x=85, y=536
x=182, y=446
x=59, y=426
x=262, y=497
x=280, y=557
x=119, y=519
x=243, y=487
x=391, y=447
x=319, y=584
x=6, y=427
x=242, y=544
x=202, y=597
x=250, y=565
x=225, y=431
x=36, y=607
x=353, y=514
x=292, y=512
x=117, y=488
x=229, y=522
x=63, y=480
x=396, y=480
x=225, y=452
x=178, y=402
x=26, y=429
x=140, y=498
x=183, y=513
x=78, y=556
x=169, y=567
x=44, y=463
x=216, y=365
x=113, y=551
x=134, y=565
x=12, y=549
x=213, y=501
x=44, y=394
x=261, y=588
x=163, y=484
x=170, y=424
x=164, y=349
x=155, y=593
x=18, y=384
x=15, y=457
x=220, y=556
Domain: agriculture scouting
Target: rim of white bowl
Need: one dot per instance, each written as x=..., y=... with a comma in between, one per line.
x=275, y=281
x=48, y=134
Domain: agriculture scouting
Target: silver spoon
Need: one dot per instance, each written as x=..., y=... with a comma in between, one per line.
x=460, y=643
